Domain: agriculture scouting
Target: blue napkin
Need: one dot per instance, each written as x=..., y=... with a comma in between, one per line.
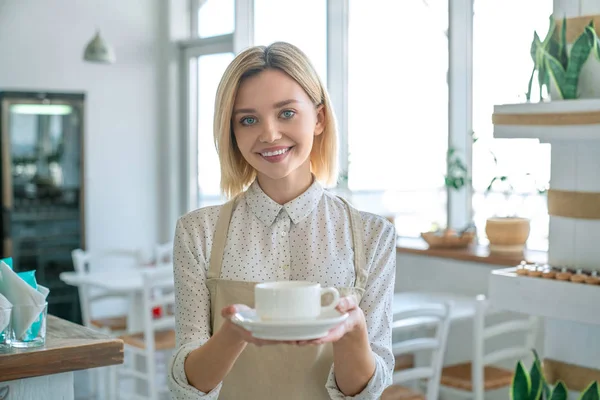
x=29, y=278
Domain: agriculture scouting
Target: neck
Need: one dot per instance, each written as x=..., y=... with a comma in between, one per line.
x=286, y=189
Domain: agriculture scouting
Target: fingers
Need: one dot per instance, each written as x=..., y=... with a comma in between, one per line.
x=228, y=311
x=347, y=304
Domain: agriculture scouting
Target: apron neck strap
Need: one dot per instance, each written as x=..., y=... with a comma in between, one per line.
x=222, y=228
x=358, y=244
x=220, y=238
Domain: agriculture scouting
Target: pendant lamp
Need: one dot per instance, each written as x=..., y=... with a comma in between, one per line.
x=98, y=51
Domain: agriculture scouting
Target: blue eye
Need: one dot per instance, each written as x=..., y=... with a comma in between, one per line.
x=248, y=121
x=287, y=114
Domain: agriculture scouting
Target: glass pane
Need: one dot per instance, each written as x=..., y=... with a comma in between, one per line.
x=210, y=69
x=286, y=20
x=216, y=17
x=525, y=162
x=398, y=107
x=45, y=153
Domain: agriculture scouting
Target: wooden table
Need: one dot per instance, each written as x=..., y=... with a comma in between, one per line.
x=47, y=372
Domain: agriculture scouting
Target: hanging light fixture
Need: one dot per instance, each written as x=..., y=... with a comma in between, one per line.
x=98, y=51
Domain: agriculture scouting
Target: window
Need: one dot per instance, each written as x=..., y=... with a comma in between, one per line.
x=210, y=68
x=287, y=20
x=501, y=70
x=390, y=67
x=398, y=110
x=215, y=17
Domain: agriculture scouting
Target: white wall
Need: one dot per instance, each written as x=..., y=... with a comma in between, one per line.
x=41, y=48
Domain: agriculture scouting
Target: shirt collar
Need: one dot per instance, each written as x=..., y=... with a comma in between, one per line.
x=267, y=209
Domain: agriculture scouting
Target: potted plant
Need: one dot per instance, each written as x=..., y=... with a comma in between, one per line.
x=508, y=231
x=560, y=66
x=532, y=385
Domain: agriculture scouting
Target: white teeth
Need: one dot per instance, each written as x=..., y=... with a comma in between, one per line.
x=274, y=153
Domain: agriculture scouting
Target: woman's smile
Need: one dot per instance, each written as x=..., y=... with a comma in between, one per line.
x=276, y=154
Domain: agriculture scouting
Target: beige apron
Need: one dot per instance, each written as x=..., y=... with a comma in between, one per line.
x=275, y=371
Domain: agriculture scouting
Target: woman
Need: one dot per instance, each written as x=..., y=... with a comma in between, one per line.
x=276, y=137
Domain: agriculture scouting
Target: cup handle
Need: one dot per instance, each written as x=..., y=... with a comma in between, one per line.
x=334, y=302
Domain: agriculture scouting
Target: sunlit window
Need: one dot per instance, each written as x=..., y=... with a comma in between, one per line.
x=216, y=17
x=501, y=69
x=304, y=24
x=398, y=110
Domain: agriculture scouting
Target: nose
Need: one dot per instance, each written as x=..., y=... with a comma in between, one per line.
x=270, y=133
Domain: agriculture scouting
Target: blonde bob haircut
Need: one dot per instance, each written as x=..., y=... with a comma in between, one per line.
x=236, y=173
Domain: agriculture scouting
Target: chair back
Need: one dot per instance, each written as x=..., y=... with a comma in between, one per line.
x=85, y=262
x=432, y=316
x=522, y=329
x=157, y=294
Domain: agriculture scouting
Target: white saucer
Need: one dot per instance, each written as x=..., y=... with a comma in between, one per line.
x=288, y=330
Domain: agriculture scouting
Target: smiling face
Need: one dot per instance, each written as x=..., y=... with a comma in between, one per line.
x=274, y=123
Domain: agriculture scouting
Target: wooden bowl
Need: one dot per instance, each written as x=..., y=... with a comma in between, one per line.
x=448, y=241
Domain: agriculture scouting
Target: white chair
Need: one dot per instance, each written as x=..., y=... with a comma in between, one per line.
x=473, y=379
x=426, y=318
x=158, y=335
x=83, y=263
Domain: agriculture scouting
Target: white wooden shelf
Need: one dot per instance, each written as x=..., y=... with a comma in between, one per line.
x=544, y=297
x=569, y=120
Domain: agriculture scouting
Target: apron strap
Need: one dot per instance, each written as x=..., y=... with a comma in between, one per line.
x=360, y=267
x=222, y=228
x=220, y=238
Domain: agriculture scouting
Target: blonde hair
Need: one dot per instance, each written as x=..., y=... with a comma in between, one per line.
x=236, y=173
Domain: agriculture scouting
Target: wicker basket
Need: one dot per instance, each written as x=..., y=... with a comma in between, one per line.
x=448, y=241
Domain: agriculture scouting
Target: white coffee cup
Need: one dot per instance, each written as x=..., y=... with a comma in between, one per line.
x=291, y=300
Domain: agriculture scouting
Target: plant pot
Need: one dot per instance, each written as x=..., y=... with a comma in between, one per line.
x=507, y=234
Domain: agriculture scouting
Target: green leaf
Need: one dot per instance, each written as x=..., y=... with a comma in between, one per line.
x=537, y=54
x=551, y=28
x=563, y=57
x=521, y=384
x=557, y=74
x=559, y=392
x=536, y=382
x=545, y=386
x=543, y=79
x=580, y=52
x=590, y=30
x=592, y=392
x=536, y=43
x=528, y=93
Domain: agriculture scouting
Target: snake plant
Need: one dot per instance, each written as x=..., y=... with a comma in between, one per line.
x=532, y=385
x=555, y=64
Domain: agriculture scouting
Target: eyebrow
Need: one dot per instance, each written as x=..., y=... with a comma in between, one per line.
x=276, y=105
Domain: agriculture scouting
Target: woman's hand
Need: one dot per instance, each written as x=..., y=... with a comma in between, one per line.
x=354, y=325
x=241, y=333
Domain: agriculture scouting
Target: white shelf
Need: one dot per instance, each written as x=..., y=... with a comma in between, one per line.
x=544, y=297
x=564, y=120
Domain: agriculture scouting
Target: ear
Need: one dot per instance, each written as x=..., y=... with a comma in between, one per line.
x=320, y=125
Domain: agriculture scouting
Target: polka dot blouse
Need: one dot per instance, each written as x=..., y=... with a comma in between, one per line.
x=309, y=238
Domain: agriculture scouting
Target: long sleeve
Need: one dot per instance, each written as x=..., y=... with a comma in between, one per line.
x=192, y=311
x=376, y=303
